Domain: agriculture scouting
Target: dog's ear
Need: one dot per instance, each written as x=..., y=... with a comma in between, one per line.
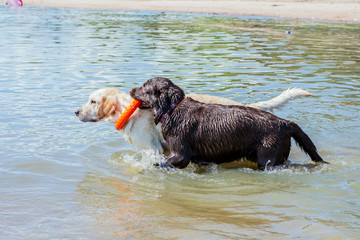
x=167, y=97
x=107, y=107
x=176, y=94
x=164, y=104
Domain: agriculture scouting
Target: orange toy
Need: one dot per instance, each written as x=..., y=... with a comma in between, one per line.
x=127, y=114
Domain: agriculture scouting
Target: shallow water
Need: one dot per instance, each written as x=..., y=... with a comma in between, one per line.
x=61, y=178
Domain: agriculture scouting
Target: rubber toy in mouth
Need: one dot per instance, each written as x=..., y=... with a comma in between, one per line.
x=127, y=114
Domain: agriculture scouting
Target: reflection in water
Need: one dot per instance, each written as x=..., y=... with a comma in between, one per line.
x=61, y=178
x=113, y=204
x=221, y=200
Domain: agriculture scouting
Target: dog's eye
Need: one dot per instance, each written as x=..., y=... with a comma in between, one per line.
x=93, y=102
x=148, y=91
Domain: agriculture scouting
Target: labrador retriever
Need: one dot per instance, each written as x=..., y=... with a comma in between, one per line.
x=213, y=133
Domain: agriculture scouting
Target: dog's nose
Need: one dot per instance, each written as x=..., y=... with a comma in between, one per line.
x=77, y=112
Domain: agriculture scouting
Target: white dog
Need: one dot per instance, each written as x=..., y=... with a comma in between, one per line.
x=107, y=104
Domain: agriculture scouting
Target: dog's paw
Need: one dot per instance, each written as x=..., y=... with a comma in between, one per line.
x=164, y=165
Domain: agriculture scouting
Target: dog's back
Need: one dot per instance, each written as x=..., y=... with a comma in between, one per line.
x=217, y=133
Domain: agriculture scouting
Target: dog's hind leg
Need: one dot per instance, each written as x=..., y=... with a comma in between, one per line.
x=265, y=162
x=272, y=152
x=267, y=158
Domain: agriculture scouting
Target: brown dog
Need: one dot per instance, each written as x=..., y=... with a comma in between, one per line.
x=214, y=133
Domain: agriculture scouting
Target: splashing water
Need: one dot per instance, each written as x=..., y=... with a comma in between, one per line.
x=146, y=160
x=143, y=159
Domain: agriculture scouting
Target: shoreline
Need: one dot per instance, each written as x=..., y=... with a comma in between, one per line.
x=346, y=11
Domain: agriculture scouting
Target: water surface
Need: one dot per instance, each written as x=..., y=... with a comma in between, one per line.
x=61, y=178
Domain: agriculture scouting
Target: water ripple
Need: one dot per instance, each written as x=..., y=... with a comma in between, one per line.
x=61, y=178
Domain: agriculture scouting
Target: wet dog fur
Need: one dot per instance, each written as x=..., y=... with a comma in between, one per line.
x=214, y=133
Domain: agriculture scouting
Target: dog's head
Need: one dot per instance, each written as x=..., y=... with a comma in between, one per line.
x=103, y=105
x=160, y=94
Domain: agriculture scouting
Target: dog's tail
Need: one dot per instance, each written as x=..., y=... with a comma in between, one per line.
x=305, y=143
x=282, y=99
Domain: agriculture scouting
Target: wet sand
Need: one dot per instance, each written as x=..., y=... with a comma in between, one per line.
x=331, y=10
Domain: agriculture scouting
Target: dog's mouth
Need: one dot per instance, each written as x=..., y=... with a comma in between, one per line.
x=144, y=105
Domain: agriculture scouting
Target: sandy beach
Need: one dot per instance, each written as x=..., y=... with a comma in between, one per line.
x=331, y=10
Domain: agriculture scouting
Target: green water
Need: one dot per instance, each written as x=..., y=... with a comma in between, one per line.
x=62, y=178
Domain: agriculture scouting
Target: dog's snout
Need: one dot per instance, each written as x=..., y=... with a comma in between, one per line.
x=77, y=112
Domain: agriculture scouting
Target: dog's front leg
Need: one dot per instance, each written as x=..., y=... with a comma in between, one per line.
x=174, y=161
